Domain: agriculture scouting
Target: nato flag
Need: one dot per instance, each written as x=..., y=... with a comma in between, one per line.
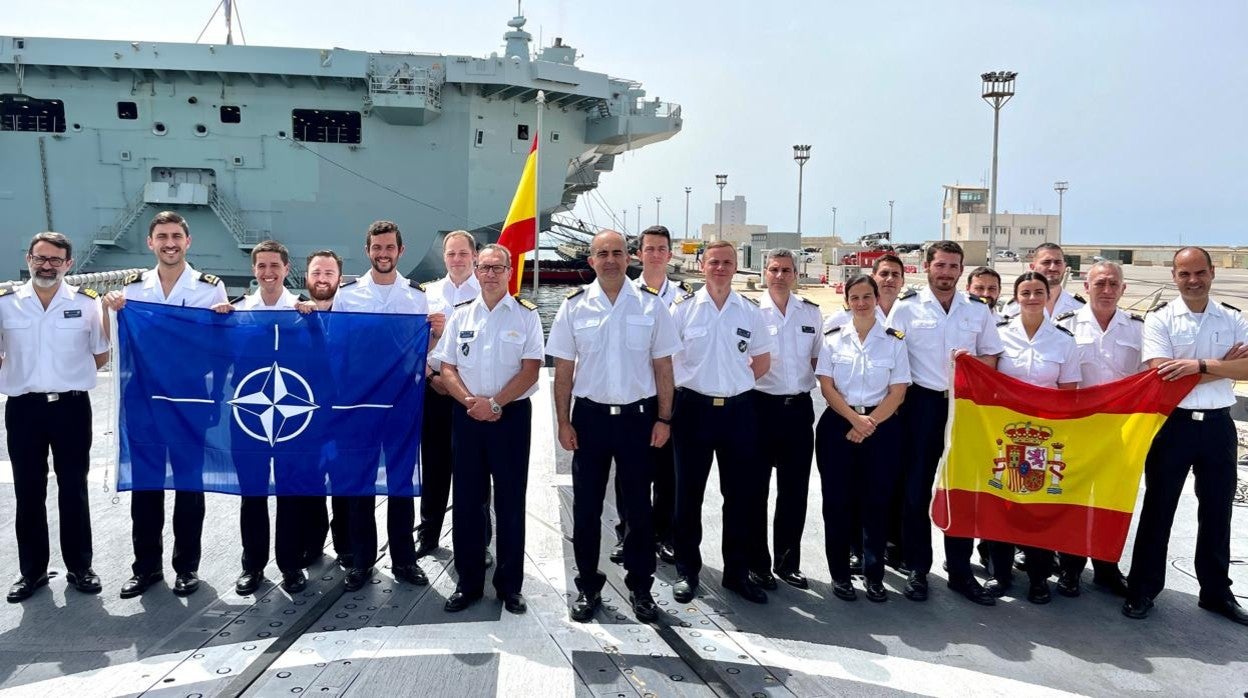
x=270, y=402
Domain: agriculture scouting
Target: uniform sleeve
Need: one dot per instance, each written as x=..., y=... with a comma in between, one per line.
x=989, y=343
x=562, y=343
x=763, y=343
x=420, y=303
x=444, y=350
x=1155, y=340
x=815, y=319
x=901, y=364
x=98, y=342
x=1070, y=371
x=666, y=341
x=824, y=366
x=218, y=294
x=1241, y=328
x=897, y=318
x=533, y=348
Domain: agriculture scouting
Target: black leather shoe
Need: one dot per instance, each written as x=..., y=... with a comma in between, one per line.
x=684, y=590
x=1115, y=584
x=489, y=559
x=584, y=606
x=765, y=580
x=855, y=564
x=248, y=582
x=916, y=587
x=295, y=582
x=876, y=592
x=747, y=589
x=973, y=591
x=844, y=591
x=1068, y=584
x=186, y=584
x=425, y=547
x=617, y=553
x=997, y=588
x=1229, y=608
x=346, y=561
x=140, y=583
x=460, y=600
x=644, y=607
x=24, y=588
x=412, y=574
x=1038, y=592
x=1137, y=608
x=666, y=553
x=794, y=578
x=356, y=578
x=87, y=581
x=514, y=603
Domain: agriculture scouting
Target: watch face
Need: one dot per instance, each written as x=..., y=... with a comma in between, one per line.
x=495, y=407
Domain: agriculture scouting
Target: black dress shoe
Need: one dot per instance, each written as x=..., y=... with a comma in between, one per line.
x=997, y=588
x=87, y=581
x=666, y=553
x=489, y=559
x=1038, y=592
x=765, y=580
x=684, y=590
x=412, y=574
x=424, y=547
x=1115, y=584
x=844, y=591
x=876, y=592
x=461, y=600
x=973, y=591
x=794, y=578
x=855, y=564
x=747, y=589
x=584, y=606
x=248, y=582
x=186, y=584
x=24, y=588
x=1137, y=608
x=617, y=553
x=1068, y=584
x=514, y=603
x=356, y=578
x=916, y=587
x=1229, y=608
x=346, y=561
x=644, y=607
x=294, y=582
x=140, y=583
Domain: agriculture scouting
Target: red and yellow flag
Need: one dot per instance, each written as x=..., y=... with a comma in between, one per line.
x=1048, y=468
x=520, y=229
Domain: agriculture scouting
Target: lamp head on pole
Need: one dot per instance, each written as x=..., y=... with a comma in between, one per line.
x=721, y=180
x=801, y=153
x=688, y=189
x=1061, y=187
x=998, y=87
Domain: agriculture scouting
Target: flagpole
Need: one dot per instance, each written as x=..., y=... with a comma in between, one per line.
x=537, y=192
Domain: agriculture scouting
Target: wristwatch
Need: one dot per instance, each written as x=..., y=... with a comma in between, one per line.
x=495, y=407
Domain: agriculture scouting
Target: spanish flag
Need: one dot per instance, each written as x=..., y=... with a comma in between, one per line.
x=1055, y=469
x=520, y=230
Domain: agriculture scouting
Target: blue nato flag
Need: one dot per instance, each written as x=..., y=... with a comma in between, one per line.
x=270, y=402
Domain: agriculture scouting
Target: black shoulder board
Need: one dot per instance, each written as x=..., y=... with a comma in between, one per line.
x=685, y=297
x=1063, y=329
x=979, y=299
x=1066, y=315
x=834, y=330
x=209, y=279
x=344, y=285
x=89, y=292
x=686, y=286
x=1078, y=297
x=909, y=293
x=895, y=333
x=133, y=278
x=1159, y=306
x=1137, y=317
x=575, y=292
x=303, y=298
x=526, y=303
x=1004, y=322
x=418, y=286
x=752, y=300
x=808, y=301
x=236, y=300
x=651, y=291
x=463, y=303
x=1228, y=305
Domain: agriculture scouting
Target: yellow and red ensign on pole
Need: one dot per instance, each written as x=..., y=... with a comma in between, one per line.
x=520, y=228
x=1054, y=469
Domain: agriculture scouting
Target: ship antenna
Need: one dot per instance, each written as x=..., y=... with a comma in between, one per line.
x=229, y=22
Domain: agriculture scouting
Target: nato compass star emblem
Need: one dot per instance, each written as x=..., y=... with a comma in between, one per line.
x=273, y=404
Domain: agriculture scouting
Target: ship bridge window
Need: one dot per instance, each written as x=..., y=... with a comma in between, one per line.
x=127, y=110
x=325, y=126
x=231, y=115
x=24, y=113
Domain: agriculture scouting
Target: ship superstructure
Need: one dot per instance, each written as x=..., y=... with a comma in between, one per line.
x=307, y=146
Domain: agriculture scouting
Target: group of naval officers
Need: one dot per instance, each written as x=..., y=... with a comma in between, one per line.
x=663, y=382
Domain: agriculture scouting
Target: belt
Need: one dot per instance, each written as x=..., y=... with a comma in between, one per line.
x=687, y=394
x=50, y=397
x=785, y=400
x=862, y=409
x=1201, y=415
x=942, y=393
x=641, y=406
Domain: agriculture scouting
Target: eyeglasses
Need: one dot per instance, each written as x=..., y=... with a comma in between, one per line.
x=488, y=269
x=40, y=260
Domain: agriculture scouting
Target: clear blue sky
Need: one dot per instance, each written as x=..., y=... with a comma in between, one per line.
x=1138, y=104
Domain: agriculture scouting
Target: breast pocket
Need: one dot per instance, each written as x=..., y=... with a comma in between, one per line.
x=1126, y=356
x=697, y=341
x=638, y=331
x=71, y=335
x=586, y=332
x=967, y=334
x=511, y=344
x=467, y=349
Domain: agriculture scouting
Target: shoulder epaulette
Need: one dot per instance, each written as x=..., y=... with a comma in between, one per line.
x=418, y=286
x=979, y=299
x=834, y=330
x=685, y=286
x=89, y=292
x=209, y=279
x=1228, y=305
x=1063, y=329
x=1159, y=306
x=1004, y=322
x=895, y=333
x=908, y=293
x=463, y=303
x=5, y=291
x=808, y=301
x=1066, y=315
x=751, y=300
x=132, y=278
x=526, y=303
x=575, y=292
x=1078, y=297
x=651, y=291
x=1137, y=317
x=236, y=300
x=685, y=297
x=348, y=283
x=303, y=298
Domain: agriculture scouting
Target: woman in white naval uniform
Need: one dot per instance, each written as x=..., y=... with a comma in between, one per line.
x=1040, y=352
x=863, y=372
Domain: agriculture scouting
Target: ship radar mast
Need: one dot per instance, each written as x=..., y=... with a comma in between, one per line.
x=518, y=39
